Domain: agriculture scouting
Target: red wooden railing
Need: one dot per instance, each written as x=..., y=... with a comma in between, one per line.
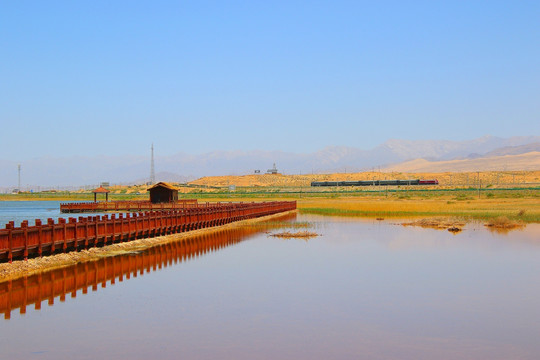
x=72, y=234
x=132, y=205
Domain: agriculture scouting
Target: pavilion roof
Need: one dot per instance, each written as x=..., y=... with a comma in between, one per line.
x=100, y=189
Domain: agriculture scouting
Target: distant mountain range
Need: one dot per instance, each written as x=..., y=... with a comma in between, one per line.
x=181, y=167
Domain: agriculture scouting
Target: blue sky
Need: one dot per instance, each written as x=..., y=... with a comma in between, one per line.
x=102, y=77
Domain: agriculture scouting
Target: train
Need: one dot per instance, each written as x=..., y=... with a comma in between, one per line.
x=376, y=182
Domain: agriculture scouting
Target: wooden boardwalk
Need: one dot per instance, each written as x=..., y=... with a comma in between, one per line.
x=75, y=234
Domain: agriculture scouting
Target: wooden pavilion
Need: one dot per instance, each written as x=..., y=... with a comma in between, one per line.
x=101, y=190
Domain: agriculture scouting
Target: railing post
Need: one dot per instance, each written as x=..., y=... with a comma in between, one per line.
x=96, y=219
x=50, y=222
x=24, y=226
x=9, y=227
x=64, y=230
x=75, y=233
x=40, y=235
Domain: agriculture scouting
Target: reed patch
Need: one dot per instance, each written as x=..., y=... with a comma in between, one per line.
x=295, y=235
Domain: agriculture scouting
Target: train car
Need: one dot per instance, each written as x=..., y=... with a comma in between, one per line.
x=376, y=182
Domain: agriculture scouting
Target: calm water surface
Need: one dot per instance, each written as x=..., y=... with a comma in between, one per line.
x=361, y=290
x=19, y=211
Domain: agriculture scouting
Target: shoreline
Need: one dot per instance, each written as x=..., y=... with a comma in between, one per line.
x=526, y=210
x=523, y=207
x=21, y=268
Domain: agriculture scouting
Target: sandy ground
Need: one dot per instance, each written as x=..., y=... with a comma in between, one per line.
x=22, y=268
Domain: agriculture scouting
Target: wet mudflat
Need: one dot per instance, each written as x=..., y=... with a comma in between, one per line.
x=362, y=289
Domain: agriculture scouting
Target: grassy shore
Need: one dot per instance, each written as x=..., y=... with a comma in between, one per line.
x=518, y=205
x=515, y=204
x=522, y=209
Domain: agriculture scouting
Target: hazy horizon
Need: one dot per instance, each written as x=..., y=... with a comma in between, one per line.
x=73, y=170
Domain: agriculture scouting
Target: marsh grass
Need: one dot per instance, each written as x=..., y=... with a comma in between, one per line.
x=502, y=222
x=452, y=224
x=363, y=213
x=298, y=234
x=282, y=225
x=295, y=224
x=524, y=210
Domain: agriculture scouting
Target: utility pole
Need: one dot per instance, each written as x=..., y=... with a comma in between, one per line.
x=19, y=182
x=479, y=184
x=152, y=173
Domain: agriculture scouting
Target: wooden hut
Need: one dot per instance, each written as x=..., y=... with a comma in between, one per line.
x=163, y=193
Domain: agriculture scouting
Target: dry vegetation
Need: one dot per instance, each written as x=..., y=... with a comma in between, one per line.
x=502, y=222
x=450, y=224
x=297, y=235
x=512, y=208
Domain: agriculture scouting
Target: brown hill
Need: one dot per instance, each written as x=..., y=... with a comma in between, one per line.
x=522, y=162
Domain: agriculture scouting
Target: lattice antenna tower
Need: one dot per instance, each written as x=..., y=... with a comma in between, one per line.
x=152, y=172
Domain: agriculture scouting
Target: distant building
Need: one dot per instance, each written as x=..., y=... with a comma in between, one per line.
x=163, y=193
x=273, y=170
x=257, y=171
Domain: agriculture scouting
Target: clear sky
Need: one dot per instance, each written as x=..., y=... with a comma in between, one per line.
x=110, y=77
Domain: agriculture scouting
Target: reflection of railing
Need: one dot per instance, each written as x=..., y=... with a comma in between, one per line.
x=20, y=293
x=133, y=205
x=75, y=234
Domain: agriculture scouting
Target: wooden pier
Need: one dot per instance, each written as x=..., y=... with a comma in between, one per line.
x=75, y=234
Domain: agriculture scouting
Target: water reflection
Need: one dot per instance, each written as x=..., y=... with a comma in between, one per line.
x=363, y=289
x=33, y=290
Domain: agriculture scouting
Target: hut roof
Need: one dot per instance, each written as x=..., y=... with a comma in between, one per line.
x=162, y=184
x=100, y=189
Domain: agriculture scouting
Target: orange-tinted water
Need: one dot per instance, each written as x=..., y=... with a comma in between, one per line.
x=363, y=289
